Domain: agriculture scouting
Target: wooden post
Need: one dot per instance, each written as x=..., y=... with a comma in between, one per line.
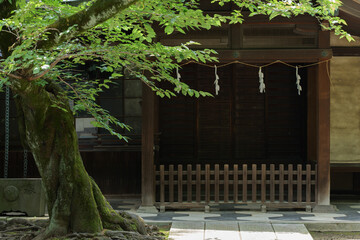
x=322, y=100
x=147, y=149
x=323, y=133
x=171, y=183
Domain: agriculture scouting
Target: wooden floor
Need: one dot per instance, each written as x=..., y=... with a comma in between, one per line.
x=237, y=231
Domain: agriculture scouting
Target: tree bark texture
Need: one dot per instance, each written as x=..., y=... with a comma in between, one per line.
x=75, y=203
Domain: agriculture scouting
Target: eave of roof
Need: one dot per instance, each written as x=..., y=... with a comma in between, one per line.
x=350, y=12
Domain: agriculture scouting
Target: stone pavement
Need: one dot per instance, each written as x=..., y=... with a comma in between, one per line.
x=187, y=230
x=233, y=222
x=348, y=213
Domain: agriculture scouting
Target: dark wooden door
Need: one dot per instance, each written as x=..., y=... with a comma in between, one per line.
x=286, y=115
x=249, y=115
x=240, y=125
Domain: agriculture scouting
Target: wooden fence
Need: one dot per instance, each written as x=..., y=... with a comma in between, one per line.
x=280, y=186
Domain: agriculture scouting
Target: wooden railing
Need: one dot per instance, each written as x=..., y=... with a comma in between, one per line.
x=281, y=186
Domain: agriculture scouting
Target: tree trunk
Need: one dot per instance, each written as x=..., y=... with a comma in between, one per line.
x=75, y=203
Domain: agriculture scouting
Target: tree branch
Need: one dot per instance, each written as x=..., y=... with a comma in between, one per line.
x=11, y=75
x=99, y=12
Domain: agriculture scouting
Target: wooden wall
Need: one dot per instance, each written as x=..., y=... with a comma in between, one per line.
x=115, y=172
x=240, y=124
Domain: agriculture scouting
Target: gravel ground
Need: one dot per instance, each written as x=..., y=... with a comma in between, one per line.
x=335, y=235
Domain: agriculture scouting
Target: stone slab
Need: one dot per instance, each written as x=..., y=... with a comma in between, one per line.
x=22, y=195
x=222, y=231
x=256, y=231
x=291, y=231
x=187, y=231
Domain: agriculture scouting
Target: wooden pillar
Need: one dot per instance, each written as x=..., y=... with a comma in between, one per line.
x=323, y=123
x=323, y=133
x=147, y=147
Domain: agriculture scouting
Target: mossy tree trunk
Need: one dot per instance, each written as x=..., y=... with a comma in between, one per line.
x=74, y=201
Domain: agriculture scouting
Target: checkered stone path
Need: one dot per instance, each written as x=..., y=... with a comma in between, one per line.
x=237, y=230
x=232, y=212
x=244, y=216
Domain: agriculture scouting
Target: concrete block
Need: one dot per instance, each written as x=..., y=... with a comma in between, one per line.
x=22, y=194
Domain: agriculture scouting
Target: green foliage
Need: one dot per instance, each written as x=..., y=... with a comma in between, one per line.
x=129, y=40
x=322, y=10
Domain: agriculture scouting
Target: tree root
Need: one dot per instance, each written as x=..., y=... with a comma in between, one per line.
x=22, y=229
x=113, y=220
x=112, y=235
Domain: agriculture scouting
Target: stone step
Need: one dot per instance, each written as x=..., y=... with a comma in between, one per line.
x=231, y=230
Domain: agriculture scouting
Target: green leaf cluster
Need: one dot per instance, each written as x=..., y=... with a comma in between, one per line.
x=127, y=41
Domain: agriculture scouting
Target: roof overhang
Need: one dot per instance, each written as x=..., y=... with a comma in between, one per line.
x=350, y=12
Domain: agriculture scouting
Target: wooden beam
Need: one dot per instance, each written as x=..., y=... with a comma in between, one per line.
x=323, y=133
x=269, y=55
x=346, y=51
x=345, y=167
x=147, y=147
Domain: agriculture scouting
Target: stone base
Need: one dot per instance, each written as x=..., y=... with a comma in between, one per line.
x=324, y=209
x=147, y=209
